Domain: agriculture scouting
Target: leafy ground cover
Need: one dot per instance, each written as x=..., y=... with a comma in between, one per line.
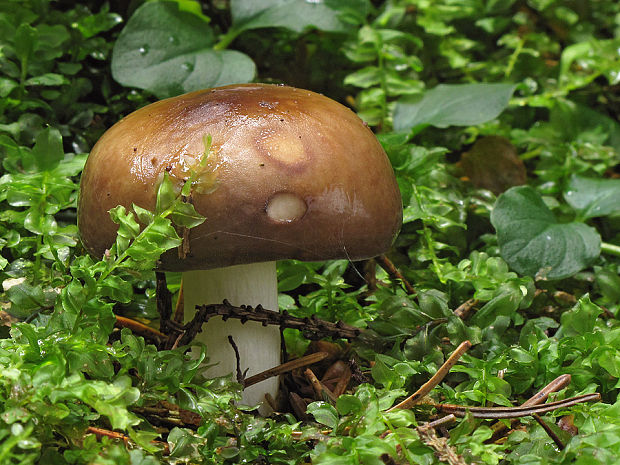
x=500, y=119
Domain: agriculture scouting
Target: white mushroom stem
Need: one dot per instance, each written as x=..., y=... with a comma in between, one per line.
x=259, y=346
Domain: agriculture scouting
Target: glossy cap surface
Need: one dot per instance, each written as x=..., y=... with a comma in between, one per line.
x=291, y=174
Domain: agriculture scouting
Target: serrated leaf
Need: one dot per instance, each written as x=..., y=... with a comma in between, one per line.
x=156, y=238
x=169, y=51
x=453, y=105
x=128, y=228
x=532, y=241
x=144, y=216
x=25, y=298
x=185, y=215
x=116, y=289
x=593, y=197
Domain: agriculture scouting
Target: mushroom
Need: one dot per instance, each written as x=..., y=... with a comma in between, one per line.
x=291, y=174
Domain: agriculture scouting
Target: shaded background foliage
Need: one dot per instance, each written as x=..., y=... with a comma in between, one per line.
x=457, y=91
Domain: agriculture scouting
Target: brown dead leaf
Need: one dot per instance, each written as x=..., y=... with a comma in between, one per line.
x=493, y=164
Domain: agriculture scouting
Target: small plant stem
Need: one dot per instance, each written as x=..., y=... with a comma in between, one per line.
x=426, y=232
x=227, y=39
x=22, y=78
x=610, y=249
x=436, y=379
x=513, y=58
x=394, y=273
x=403, y=446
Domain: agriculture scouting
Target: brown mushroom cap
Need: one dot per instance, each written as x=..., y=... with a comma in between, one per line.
x=291, y=174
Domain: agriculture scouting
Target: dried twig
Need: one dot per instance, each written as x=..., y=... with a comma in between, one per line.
x=436, y=379
x=179, y=307
x=395, y=273
x=140, y=329
x=443, y=451
x=448, y=419
x=343, y=382
x=167, y=413
x=163, y=301
x=515, y=412
x=312, y=328
x=541, y=396
x=240, y=375
x=549, y=431
x=101, y=432
x=463, y=310
x=322, y=392
x=191, y=329
x=285, y=367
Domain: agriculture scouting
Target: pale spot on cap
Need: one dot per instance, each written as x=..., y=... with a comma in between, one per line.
x=285, y=207
x=282, y=146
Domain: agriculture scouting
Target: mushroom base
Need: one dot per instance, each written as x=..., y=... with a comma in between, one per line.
x=259, y=346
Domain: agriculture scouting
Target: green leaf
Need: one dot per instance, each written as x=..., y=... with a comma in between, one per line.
x=25, y=42
x=25, y=298
x=573, y=120
x=48, y=79
x=128, y=227
x=347, y=404
x=532, y=241
x=453, y=105
x=324, y=413
x=593, y=57
x=166, y=194
x=580, y=320
x=156, y=238
x=169, y=51
x=593, y=197
x=296, y=15
x=48, y=149
x=116, y=288
x=185, y=215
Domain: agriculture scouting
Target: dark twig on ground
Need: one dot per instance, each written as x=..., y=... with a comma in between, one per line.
x=285, y=368
x=322, y=392
x=541, y=396
x=515, y=412
x=463, y=310
x=558, y=442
